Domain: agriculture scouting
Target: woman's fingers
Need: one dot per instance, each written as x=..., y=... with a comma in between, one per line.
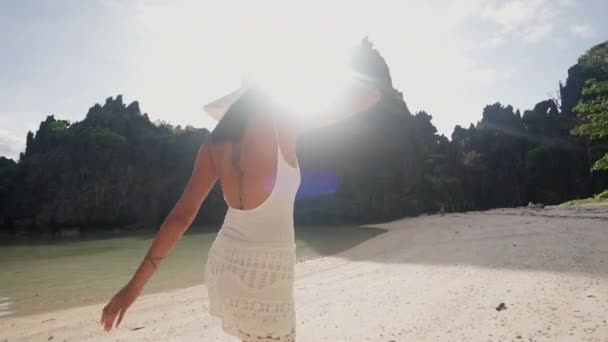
x=104, y=316
x=108, y=316
x=120, y=316
x=110, y=321
x=116, y=308
x=107, y=325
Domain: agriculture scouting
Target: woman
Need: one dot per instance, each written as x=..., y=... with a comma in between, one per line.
x=250, y=268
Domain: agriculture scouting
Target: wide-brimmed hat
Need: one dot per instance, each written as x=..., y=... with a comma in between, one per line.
x=218, y=108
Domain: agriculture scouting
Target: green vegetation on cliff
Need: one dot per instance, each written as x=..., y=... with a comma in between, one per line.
x=117, y=168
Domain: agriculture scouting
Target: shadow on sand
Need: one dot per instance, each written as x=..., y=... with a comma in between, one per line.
x=571, y=240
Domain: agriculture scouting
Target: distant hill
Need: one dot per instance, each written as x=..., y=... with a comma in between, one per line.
x=116, y=168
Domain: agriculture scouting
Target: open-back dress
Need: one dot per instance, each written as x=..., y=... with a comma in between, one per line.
x=250, y=268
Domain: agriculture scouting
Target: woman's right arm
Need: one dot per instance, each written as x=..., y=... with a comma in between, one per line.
x=358, y=96
x=202, y=180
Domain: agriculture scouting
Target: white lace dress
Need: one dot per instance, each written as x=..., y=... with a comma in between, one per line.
x=250, y=268
x=251, y=289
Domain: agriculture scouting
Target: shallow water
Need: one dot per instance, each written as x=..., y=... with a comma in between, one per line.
x=39, y=277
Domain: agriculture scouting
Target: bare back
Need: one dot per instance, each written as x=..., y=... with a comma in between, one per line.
x=247, y=169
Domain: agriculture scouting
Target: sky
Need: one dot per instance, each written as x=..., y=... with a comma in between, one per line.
x=449, y=58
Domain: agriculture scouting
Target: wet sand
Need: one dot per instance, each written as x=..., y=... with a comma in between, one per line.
x=501, y=275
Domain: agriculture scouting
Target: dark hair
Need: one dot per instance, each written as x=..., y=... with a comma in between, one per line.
x=233, y=124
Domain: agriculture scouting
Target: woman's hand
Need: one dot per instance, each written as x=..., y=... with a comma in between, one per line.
x=359, y=96
x=118, y=305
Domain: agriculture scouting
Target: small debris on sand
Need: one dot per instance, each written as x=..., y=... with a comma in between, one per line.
x=501, y=306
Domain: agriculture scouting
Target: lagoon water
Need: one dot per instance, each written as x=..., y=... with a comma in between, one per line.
x=39, y=276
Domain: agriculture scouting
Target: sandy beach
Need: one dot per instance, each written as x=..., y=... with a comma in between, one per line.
x=500, y=275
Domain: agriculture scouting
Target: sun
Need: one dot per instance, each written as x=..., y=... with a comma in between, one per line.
x=303, y=88
x=304, y=70
x=301, y=63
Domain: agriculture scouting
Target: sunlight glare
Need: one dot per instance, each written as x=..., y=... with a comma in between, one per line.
x=304, y=88
x=304, y=69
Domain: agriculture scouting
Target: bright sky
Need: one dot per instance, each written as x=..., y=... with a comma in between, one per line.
x=450, y=58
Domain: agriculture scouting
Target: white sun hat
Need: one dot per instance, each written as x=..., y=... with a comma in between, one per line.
x=218, y=108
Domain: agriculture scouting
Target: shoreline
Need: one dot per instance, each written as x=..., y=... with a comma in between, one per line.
x=430, y=278
x=48, y=277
